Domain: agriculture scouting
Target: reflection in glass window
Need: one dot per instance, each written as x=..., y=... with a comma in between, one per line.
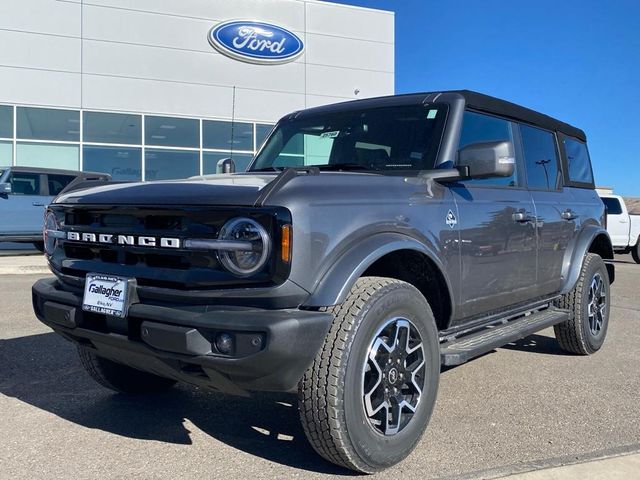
x=262, y=130
x=170, y=164
x=578, y=161
x=48, y=124
x=48, y=155
x=6, y=121
x=540, y=158
x=112, y=128
x=210, y=161
x=478, y=128
x=123, y=164
x=172, y=132
x=218, y=135
x=6, y=153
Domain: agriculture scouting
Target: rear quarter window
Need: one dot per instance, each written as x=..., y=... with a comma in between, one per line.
x=578, y=162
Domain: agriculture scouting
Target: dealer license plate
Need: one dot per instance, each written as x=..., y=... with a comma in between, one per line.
x=106, y=294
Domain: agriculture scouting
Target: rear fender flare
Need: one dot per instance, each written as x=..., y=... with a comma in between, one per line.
x=572, y=263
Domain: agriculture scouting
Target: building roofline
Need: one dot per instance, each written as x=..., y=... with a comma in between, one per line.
x=355, y=7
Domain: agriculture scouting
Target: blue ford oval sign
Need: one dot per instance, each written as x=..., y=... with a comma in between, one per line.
x=255, y=42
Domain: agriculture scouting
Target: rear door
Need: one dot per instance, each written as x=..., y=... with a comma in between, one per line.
x=617, y=222
x=556, y=211
x=24, y=206
x=497, y=234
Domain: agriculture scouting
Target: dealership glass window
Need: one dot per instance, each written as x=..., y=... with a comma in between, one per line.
x=262, y=130
x=578, y=161
x=102, y=127
x=210, y=161
x=219, y=135
x=170, y=164
x=6, y=121
x=172, y=132
x=124, y=164
x=47, y=124
x=6, y=153
x=540, y=158
x=48, y=155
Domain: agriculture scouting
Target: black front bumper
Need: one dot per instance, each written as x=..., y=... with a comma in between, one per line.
x=178, y=342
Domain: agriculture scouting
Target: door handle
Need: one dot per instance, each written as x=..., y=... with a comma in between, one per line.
x=568, y=215
x=37, y=204
x=521, y=217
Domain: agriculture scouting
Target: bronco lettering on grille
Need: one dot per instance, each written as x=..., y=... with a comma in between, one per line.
x=133, y=240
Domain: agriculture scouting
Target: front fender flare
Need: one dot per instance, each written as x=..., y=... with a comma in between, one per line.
x=335, y=284
x=573, y=258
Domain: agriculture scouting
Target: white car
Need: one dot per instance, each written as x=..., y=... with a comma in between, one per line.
x=623, y=228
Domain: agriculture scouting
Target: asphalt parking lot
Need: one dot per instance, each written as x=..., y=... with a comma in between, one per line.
x=522, y=407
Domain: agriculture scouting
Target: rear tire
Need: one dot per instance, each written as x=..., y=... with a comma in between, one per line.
x=121, y=378
x=382, y=350
x=589, y=305
x=635, y=252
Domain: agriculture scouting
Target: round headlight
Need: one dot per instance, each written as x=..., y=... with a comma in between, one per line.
x=245, y=262
x=50, y=226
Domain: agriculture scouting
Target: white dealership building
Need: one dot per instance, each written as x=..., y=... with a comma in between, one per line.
x=156, y=89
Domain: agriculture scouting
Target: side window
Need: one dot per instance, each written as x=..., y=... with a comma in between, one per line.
x=613, y=205
x=58, y=182
x=578, y=163
x=477, y=128
x=541, y=159
x=23, y=183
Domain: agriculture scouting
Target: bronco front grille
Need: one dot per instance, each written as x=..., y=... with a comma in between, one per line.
x=177, y=268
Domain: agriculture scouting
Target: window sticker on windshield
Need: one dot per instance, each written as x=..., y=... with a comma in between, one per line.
x=431, y=114
x=333, y=134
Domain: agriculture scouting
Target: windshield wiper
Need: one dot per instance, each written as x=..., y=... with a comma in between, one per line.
x=266, y=169
x=343, y=166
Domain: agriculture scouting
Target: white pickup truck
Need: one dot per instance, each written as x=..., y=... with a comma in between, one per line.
x=623, y=227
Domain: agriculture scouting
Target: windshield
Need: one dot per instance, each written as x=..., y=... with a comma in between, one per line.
x=380, y=139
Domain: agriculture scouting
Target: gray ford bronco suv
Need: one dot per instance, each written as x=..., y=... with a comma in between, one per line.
x=367, y=244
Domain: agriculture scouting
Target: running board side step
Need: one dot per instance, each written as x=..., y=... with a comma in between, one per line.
x=462, y=349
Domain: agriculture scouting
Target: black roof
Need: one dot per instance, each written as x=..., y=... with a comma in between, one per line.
x=474, y=100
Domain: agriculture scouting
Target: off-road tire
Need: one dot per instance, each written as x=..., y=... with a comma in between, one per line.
x=574, y=334
x=330, y=393
x=121, y=378
x=635, y=251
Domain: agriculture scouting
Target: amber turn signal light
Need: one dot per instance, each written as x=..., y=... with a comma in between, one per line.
x=285, y=247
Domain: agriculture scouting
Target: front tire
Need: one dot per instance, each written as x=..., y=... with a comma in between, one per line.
x=368, y=396
x=589, y=305
x=120, y=378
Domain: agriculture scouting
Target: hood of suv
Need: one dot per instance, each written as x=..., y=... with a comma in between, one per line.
x=207, y=190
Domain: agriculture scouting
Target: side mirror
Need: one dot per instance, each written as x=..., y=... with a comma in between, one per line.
x=487, y=159
x=226, y=165
x=5, y=188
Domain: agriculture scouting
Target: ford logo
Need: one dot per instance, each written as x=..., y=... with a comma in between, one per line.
x=255, y=42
